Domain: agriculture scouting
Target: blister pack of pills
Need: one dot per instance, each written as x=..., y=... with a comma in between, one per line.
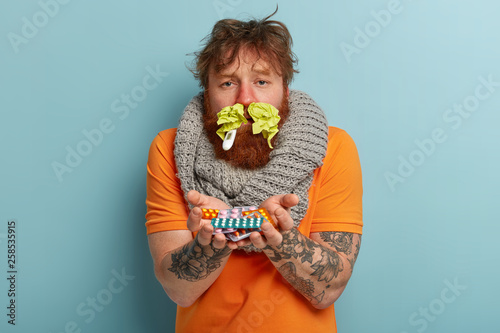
x=242, y=223
x=240, y=234
x=261, y=212
x=235, y=213
x=239, y=222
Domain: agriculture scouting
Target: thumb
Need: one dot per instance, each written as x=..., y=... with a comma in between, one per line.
x=284, y=220
x=194, y=198
x=194, y=222
x=289, y=200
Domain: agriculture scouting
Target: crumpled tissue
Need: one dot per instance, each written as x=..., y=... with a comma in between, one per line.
x=231, y=117
x=264, y=115
x=266, y=120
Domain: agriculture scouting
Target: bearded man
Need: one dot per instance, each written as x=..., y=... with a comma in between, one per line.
x=305, y=173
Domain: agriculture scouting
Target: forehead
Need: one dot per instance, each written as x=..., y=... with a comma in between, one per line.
x=245, y=60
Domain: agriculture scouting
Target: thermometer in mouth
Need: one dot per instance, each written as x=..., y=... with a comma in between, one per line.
x=229, y=139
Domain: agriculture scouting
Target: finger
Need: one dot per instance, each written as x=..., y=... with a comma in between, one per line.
x=195, y=198
x=205, y=234
x=219, y=241
x=289, y=200
x=257, y=240
x=194, y=222
x=285, y=221
x=272, y=235
x=232, y=245
x=243, y=242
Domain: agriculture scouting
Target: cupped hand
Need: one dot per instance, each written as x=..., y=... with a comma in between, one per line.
x=195, y=223
x=278, y=207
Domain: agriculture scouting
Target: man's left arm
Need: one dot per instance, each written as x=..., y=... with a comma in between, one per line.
x=318, y=267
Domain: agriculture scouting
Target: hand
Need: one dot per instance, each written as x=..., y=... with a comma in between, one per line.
x=195, y=223
x=278, y=207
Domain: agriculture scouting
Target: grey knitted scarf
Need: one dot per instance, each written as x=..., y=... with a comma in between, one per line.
x=299, y=149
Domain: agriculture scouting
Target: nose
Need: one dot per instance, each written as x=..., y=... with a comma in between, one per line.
x=245, y=95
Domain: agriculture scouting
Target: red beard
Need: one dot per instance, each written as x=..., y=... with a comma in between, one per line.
x=249, y=151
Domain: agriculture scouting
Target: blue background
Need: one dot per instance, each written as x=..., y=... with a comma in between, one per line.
x=388, y=78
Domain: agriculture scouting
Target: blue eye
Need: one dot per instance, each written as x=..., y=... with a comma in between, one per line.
x=261, y=82
x=227, y=84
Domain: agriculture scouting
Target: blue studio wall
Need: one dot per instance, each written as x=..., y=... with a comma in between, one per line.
x=87, y=85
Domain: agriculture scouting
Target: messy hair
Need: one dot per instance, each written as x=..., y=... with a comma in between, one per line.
x=270, y=40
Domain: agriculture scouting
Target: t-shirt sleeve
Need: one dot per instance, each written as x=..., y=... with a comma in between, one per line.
x=339, y=198
x=166, y=207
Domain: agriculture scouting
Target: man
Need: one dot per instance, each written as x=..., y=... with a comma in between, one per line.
x=282, y=280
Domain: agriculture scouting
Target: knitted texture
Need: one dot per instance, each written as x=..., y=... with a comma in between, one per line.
x=300, y=148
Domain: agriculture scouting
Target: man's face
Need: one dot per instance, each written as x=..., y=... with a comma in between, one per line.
x=247, y=80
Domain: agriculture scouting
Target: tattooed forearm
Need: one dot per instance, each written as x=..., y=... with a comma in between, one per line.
x=194, y=262
x=317, y=266
x=324, y=263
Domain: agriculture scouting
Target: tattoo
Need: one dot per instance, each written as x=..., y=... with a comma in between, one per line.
x=326, y=263
x=294, y=245
x=297, y=246
x=194, y=262
x=356, y=252
x=342, y=242
x=328, y=267
x=305, y=287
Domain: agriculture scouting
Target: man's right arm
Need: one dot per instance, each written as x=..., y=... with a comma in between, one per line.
x=187, y=271
x=185, y=266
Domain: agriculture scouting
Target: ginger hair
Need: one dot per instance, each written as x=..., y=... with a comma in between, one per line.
x=270, y=40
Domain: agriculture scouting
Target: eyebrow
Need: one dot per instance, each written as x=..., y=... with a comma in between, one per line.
x=224, y=76
x=259, y=70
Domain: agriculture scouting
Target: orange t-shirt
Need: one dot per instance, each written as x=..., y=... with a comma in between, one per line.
x=250, y=295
